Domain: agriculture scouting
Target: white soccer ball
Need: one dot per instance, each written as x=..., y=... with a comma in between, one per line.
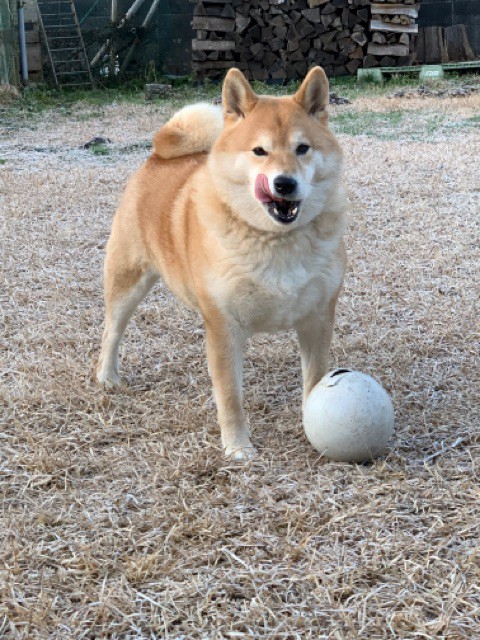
x=348, y=416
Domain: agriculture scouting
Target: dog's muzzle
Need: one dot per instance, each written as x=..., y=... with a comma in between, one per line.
x=283, y=210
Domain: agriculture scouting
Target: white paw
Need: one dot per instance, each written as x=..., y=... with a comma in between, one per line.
x=240, y=453
x=108, y=379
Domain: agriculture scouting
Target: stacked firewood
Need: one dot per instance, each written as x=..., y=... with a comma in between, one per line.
x=393, y=30
x=279, y=40
x=213, y=48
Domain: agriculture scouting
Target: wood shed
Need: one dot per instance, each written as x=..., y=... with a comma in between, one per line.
x=271, y=40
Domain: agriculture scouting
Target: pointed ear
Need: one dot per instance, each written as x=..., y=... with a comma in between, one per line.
x=238, y=98
x=313, y=93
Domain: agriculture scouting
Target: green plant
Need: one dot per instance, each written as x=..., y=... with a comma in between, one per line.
x=99, y=149
x=473, y=121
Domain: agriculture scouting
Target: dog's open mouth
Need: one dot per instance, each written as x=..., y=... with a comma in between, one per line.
x=281, y=209
x=284, y=211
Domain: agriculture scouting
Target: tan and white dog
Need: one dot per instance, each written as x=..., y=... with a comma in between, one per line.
x=242, y=215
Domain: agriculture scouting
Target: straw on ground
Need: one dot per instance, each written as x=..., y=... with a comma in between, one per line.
x=121, y=519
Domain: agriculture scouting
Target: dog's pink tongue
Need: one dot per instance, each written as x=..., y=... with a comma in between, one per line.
x=262, y=192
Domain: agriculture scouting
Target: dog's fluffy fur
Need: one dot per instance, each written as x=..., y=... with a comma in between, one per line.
x=192, y=216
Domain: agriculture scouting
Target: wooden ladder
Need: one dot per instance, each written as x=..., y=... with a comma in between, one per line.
x=64, y=43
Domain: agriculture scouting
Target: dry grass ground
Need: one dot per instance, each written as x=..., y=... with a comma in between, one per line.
x=120, y=519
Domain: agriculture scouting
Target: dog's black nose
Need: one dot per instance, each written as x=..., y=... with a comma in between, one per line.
x=284, y=185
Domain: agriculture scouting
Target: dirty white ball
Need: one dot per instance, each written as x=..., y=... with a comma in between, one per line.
x=348, y=416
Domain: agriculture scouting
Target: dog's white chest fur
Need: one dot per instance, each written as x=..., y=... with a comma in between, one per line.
x=271, y=285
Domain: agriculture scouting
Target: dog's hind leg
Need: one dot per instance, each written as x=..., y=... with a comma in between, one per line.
x=125, y=287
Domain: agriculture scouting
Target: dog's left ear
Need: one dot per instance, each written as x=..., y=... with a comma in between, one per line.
x=238, y=97
x=313, y=94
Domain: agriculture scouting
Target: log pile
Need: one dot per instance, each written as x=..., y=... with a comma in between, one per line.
x=279, y=40
x=214, y=45
x=393, y=30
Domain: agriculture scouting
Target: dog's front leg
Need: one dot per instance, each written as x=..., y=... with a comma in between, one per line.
x=225, y=345
x=314, y=337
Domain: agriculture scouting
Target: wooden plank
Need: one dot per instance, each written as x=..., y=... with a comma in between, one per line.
x=34, y=59
x=213, y=45
x=30, y=12
x=420, y=47
x=32, y=37
x=212, y=64
x=435, y=50
x=210, y=23
x=379, y=25
x=395, y=9
x=458, y=44
x=387, y=49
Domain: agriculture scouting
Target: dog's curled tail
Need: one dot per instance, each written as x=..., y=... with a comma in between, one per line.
x=193, y=129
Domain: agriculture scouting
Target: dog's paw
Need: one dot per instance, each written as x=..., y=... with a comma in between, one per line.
x=240, y=453
x=108, y=379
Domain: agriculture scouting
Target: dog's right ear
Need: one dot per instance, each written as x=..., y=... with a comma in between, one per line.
x=238, y=97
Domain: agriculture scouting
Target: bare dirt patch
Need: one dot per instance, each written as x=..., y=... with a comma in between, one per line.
x=120, y=519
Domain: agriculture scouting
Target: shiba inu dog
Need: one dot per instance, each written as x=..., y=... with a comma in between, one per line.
x=241, y=213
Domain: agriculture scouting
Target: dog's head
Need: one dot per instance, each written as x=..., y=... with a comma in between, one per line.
x=276, y=161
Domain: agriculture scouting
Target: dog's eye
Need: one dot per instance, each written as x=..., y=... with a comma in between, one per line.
x=259, y=151
x=302, y=149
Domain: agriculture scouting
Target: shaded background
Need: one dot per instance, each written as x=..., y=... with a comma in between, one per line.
x=444, y=13
x=167, y=42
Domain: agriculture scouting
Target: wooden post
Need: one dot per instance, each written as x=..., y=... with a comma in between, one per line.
x=9, y=71
x=104, y=48
x=114, y=14
x=133, y=46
